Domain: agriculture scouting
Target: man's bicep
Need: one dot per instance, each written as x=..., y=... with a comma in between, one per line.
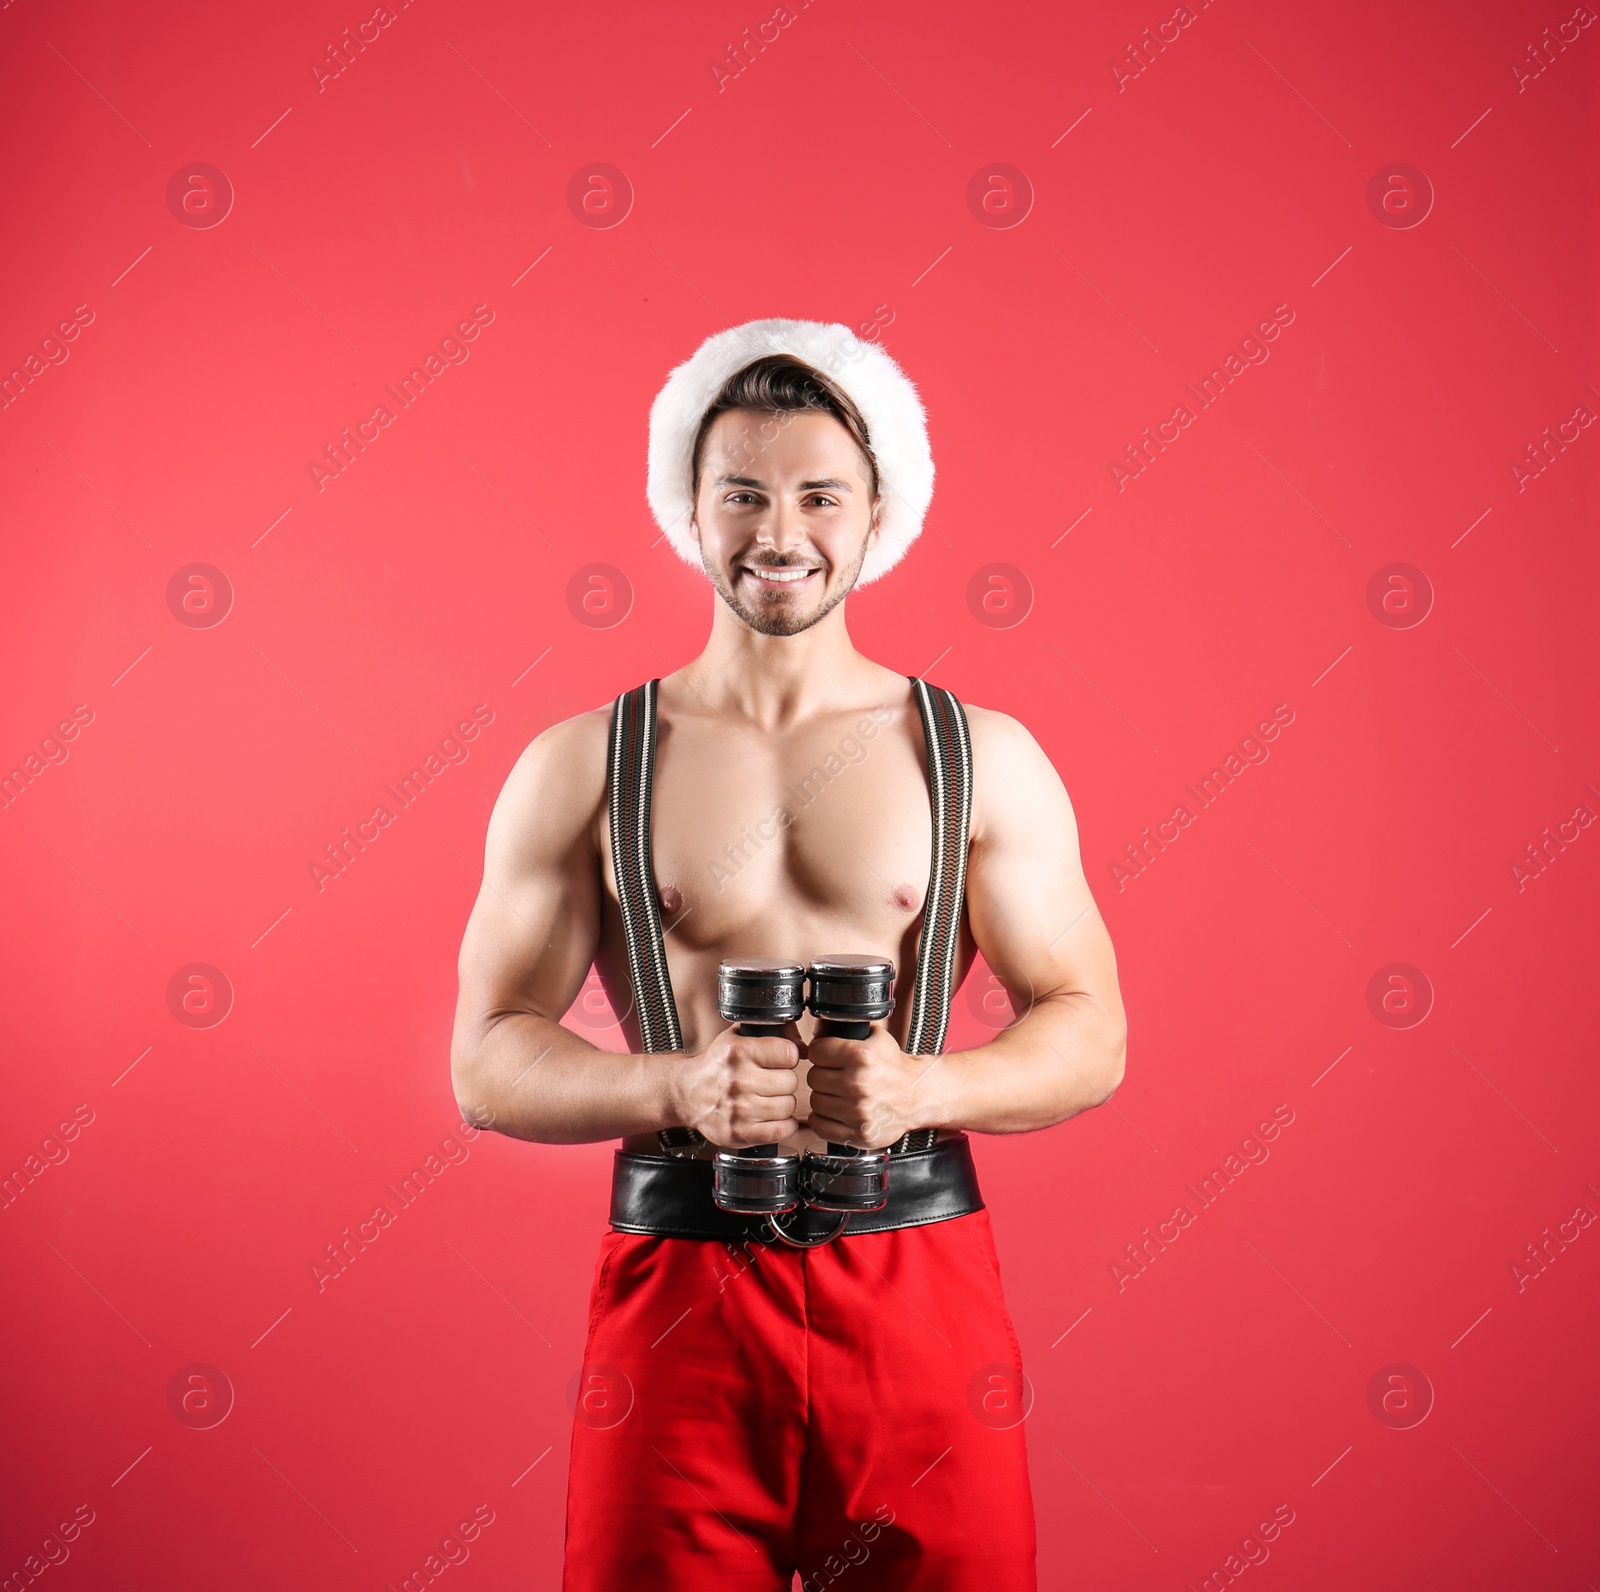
x=1028, y=903
x=529, y=943
x=535, y=926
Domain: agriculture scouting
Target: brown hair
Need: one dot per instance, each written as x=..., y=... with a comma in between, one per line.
x=780, y=384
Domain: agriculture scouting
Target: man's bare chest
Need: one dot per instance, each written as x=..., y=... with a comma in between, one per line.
x=766, y=842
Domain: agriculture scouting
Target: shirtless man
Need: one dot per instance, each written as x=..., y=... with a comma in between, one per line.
x=752, y=1409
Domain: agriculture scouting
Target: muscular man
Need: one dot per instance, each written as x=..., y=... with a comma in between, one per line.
x=752, y=1408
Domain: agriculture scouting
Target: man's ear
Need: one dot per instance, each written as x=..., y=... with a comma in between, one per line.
x=873, y=531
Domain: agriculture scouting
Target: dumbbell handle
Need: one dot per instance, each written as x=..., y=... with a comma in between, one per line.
x=832, y=1028
x=761, y=1031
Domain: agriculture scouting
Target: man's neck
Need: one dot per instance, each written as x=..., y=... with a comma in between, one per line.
x=772, y=681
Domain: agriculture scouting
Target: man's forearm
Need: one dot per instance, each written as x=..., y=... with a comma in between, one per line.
x=533, y=1079
x=1063, y=1057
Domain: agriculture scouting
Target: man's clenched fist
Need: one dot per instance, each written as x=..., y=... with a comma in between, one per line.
x=741, y=1091
x=863, y=1091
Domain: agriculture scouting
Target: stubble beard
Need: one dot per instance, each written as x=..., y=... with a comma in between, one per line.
x=780, y=621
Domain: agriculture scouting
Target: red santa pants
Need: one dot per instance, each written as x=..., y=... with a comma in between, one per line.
x=852, y=1412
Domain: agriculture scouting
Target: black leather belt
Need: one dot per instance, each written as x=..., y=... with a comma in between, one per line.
x=670, y=1196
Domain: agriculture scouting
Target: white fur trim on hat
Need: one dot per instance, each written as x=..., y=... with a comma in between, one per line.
x=896, y=427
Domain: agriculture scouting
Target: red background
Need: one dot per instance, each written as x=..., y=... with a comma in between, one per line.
x=829, y=180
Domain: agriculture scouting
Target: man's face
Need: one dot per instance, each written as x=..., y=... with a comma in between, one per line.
x=785, y=515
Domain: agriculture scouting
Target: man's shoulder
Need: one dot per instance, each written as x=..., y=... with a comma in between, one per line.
x=577, y=746
x=560, y=778
x=997, y=736
x=1013, y=777
x=581, y=730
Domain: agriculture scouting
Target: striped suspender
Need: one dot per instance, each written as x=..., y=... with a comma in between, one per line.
x=630, y=776
x=944, y=728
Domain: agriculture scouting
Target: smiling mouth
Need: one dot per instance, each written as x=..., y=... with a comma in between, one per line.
x=774, y=578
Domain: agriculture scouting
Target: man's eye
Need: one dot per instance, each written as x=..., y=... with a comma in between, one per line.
x=821, y=501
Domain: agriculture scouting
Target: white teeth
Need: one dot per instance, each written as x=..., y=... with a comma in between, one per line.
x=781, y=574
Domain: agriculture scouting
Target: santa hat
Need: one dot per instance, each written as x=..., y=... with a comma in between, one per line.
x=896, y=427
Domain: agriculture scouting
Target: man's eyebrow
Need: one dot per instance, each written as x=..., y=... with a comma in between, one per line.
x=829, y=484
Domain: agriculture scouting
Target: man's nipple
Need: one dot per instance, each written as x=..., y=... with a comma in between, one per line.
x=905, y=898
x=671, y=900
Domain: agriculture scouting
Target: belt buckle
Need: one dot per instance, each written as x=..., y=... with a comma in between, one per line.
x=795, y=1242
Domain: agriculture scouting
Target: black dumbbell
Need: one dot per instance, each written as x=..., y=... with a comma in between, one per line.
x=761, y=996
x=848, y=995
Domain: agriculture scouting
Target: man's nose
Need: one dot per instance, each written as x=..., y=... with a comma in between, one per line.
x=783, y=527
